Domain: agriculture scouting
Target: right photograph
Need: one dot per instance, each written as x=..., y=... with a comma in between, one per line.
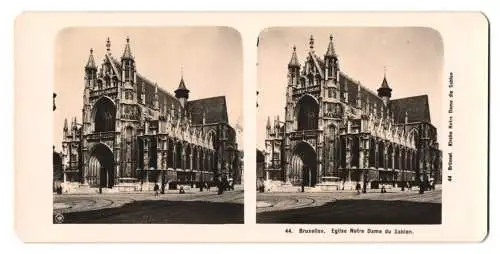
x=348, y=125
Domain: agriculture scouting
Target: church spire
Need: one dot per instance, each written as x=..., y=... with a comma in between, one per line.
x=330, y=51
x=311, y=43
x=385, y=91
x=294, y=62
x=65, y=128
x=127, y=53
x=91, y=62
x=108, y=46
x=182, y=93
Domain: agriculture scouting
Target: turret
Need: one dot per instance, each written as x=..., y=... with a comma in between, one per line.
x=90, y=71
x=331, y=60
x=128, y=64
x=385, y=91
x=182, y=93
x=65, y=128
x=346, y=94
x=277, y=126
x=294, y=68
x=143, y=93
x=156, y=103
x=268, y=127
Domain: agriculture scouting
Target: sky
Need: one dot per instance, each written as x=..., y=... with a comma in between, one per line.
x=411, y=56
x=210, y=59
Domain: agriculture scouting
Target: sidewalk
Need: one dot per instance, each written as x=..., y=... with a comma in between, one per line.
x=187, y=190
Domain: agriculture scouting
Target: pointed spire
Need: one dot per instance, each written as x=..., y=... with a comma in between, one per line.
x=268, y=125
x=156, y=103
x=330, y=51
x=406, y=117
x=203, y=117
x=108, y=45
x=294, y=62
x=127, y=53
x=91, y=63
x=65, y=124
x=358, y=96
x=385, y=91
x=311, y=43
x=182, y=92
x=384, y=82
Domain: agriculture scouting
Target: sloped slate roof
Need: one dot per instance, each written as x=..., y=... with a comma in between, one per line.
x=416, y=106
x=163, y=96
x=215, y=110
x=352, y=91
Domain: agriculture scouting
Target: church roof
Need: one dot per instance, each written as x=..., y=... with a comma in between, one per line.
x=164, y=97
x=352, y=91
x=215, y=110
x=416, y=106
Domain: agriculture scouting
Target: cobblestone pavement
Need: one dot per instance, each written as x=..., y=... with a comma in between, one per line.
x=408, y=207
x=172, y=207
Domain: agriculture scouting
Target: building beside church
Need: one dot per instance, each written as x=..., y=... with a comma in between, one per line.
x=336, y=128
x=134, y=133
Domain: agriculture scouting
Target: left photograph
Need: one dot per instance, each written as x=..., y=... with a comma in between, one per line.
x=148, y=126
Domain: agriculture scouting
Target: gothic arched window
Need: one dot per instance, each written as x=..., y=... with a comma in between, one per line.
x=104, y=119
x=307, y=114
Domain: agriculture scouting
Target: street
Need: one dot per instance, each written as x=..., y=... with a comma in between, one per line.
x=172, y=208
x=395, y=207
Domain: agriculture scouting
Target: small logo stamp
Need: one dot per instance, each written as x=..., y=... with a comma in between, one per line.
x=58, y=218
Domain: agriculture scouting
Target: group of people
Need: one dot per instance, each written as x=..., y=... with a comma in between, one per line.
x=222, y=183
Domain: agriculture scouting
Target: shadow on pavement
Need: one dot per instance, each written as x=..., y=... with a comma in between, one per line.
x=362, y=211
x=162, y=212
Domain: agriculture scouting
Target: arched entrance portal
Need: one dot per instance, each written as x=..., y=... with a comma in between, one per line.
x=306, y=165
x=101, y=167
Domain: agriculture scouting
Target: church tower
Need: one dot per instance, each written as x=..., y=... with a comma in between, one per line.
x=90, y=80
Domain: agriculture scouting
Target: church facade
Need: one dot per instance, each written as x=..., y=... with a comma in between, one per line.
x=335, y=128
x=134, y=133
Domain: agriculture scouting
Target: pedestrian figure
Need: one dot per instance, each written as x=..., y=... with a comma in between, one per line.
x=181, y=190
x=364, y=187
x=156, y=189
x=422, y=188
x=382, y=190
x=358, y=188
